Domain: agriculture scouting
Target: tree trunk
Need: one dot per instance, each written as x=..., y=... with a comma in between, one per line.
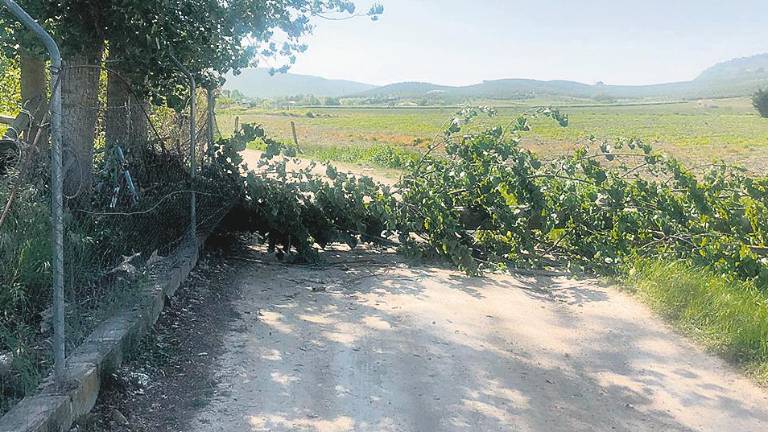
x=80, y=111
x=140, y=109
x=34, y=93
x=126, y=123
x=117, y=122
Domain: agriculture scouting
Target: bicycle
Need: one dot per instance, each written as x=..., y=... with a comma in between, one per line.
x=123, y=181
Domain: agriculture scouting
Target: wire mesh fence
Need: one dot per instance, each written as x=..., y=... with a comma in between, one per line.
x=131, y=198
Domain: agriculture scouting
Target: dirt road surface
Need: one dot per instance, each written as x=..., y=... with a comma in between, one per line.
x=367, y=344
x=386, y=177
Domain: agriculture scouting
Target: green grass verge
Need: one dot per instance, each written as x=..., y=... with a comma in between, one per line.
x=377, y=155
x=728, y=317
x=383, y=156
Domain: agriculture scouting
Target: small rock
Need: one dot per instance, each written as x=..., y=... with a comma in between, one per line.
x=139, y=379
x=119, y=418
x=154, y=258
x=6, y=360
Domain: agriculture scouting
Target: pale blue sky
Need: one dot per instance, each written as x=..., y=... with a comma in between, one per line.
x=467, y=41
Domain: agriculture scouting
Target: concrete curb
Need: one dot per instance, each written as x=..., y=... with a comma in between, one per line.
x=55, y=410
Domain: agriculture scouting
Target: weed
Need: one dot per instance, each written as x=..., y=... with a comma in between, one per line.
x=730, y=317
x=377, y=155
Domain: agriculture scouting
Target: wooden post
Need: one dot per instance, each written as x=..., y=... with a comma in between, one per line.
x=211, y=114
x=295, y=138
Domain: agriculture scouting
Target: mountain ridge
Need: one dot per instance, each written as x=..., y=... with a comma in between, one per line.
x=736, y=77
x=258, y=83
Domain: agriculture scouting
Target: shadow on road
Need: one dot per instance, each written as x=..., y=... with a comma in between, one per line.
x=368, y=344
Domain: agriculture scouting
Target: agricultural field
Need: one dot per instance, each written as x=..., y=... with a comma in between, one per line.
x=698, y=132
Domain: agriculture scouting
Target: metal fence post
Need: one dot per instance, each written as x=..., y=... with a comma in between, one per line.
x=192, y=145
x=57, y=199
x=192, y=156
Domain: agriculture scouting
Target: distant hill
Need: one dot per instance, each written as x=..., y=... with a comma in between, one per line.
x=738, y=77
x=407, y=89
x=258, y=83
x=745, y=68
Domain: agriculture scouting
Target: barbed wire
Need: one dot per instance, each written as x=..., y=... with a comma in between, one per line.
x=154, y=207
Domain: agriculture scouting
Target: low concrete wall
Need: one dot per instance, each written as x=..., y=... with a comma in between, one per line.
x=53, y=409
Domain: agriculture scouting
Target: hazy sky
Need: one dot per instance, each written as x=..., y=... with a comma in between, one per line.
x=467, y=41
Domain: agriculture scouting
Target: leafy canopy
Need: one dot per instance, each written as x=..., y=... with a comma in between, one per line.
x=760, y=102
x=210, y=37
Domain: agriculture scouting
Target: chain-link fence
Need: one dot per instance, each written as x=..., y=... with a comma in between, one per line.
x=136, y=186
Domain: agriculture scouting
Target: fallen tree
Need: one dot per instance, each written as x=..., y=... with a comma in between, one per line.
x=481, y=201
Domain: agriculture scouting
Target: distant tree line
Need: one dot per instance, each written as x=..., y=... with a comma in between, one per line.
x=760, y=102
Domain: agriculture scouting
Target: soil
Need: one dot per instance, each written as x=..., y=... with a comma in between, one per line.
x=386, y=177
x=169, y=374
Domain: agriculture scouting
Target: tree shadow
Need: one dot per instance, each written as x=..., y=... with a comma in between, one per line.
x=356, y=346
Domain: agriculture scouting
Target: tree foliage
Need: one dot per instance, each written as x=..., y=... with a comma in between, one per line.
x=760, y=102
x=490, y=202
x=9, y=86
x=295, y=209
x=209, y=37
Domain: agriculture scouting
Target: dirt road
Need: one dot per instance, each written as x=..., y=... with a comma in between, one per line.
x=387, y=177
x=368, y=344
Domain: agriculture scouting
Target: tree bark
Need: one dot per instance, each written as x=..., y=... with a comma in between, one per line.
x=80, y=111
x=34, y=93
x=126, y=123
x=139, y=123
x=117, y=122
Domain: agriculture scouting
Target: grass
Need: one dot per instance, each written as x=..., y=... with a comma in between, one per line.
x=377, y=155
x=25, y=254
x=25, y=289
x=698, y=132
x=728, y=317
